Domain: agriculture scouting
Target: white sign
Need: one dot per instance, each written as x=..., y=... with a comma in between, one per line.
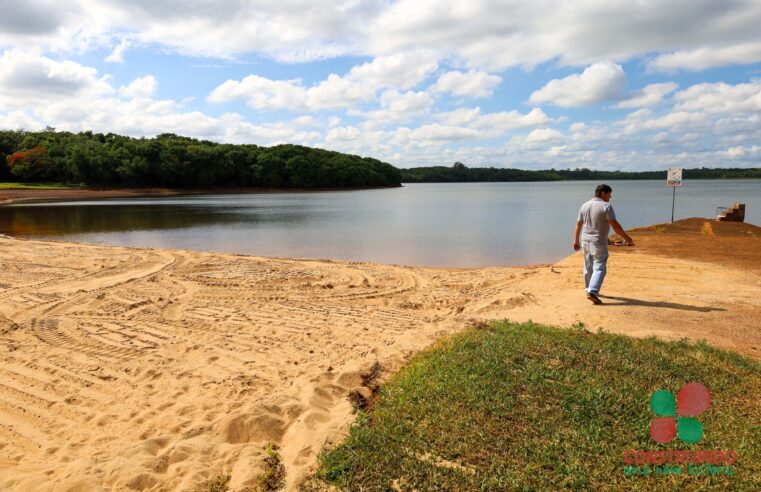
x=674, y=177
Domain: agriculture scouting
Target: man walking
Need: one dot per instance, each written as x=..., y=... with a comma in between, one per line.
x=594, y=222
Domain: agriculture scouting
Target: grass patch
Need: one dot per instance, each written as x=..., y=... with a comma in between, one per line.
x=529, y=407
x=219, y=484
x=273, y=477
x=362, y=398
x=36, y=186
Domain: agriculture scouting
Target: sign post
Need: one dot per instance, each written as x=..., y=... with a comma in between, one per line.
x=673, y=180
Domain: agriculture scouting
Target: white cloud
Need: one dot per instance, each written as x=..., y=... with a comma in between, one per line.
x=359, y=85
x=499, y=34
x=353, y=140
x=434, y=143
x=720, y=98
x=71, y=97
x=19, y=120
x=462, y=116
x=472, y=84
x=237, y=130
x=28, y=78
x=544, y=135
x=32, y=17
x=338, y=92
x=434, y=131
x=290, y=31
x=400, y=70
x=586, y=136
x=674, y=121
x=499, y=121
x=134, y=117
x=597, y=145
x=261, y=93
x=742, y=126
x=305, y=122
x=599, y=82
x=117, y=55
x=407, y=102
x=140, y=87
x=397, y=107
x=741, y=152
x=343, y=133
x=486, y=34
x=143, y=117
x=707, y=57
x=296, y=30
x=650, y=95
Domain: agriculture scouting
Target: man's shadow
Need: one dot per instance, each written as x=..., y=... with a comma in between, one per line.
x=627, y=301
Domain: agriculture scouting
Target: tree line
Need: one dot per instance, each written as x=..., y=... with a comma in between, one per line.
x=172, y=161
x=460, y=173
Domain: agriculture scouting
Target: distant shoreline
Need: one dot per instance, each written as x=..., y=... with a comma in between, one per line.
x=580, y=180
x=460, y=173
x=574, y=180
x=16, y=196
x=13, y=196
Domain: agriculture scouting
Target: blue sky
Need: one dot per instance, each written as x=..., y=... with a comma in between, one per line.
x=541, y=84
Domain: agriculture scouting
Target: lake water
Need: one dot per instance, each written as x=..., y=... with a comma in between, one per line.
x=441, y=224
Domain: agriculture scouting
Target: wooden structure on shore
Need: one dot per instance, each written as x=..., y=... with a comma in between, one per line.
x=733, y=214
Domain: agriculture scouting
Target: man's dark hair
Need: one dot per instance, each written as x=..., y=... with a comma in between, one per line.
x=602, y=189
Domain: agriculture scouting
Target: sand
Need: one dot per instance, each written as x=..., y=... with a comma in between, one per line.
x=152, y=369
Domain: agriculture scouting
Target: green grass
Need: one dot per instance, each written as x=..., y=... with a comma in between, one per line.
x=273, y=477
x=218, y=484
x=529, y=407
x=36, y=186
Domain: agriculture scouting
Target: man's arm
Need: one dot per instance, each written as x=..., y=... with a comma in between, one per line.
x=621, y=232
x=576, y=245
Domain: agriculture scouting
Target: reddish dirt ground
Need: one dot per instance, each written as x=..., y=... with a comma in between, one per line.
x=732, y=244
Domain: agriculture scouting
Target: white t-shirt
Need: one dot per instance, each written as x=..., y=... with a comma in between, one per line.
x=595, y=214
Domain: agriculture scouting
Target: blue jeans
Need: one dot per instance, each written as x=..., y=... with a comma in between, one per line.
x=595, y=266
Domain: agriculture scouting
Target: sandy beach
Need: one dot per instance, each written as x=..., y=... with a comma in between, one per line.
x=154, y=369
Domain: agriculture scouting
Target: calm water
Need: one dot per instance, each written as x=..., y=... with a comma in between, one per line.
x=458, y=224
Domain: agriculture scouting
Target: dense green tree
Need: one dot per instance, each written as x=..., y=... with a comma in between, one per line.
x=9, y=142
x=170, y=160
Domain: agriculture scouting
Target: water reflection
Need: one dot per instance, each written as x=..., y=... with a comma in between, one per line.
x=56, y=220
x=459, y=224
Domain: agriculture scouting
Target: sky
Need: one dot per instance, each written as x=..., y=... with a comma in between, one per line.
x=602, y=84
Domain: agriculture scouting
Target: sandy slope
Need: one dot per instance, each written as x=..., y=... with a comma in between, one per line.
x=161, y=369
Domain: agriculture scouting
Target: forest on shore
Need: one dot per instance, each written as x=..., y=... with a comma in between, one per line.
x=460, y=173
x=172, y=161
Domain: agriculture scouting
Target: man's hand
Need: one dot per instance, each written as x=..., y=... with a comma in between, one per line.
x=620, y=231
x=576, y=245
